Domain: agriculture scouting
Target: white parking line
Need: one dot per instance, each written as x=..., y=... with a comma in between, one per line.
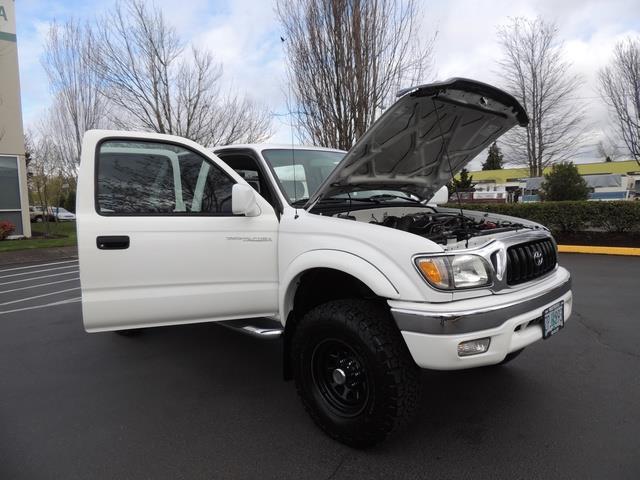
x=38, y=271
x=39, y=265
x=39, y=285
x=53, y=304
x=40, y=296
x=40, y=277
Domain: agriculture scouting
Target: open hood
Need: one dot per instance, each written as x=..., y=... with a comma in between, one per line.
x=428, y=135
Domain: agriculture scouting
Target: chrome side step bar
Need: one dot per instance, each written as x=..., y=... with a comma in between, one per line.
x=264, y=328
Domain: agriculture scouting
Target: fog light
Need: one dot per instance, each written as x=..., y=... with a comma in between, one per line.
x=473, y=347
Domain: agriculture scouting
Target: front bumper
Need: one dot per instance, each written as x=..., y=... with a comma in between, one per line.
x=511, y=321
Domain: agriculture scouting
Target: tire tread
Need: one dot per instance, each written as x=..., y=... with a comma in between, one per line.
x=374, y=326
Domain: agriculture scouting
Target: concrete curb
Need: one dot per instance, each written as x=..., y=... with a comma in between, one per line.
x=628, y=251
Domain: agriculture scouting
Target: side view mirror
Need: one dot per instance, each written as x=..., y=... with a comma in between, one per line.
x=440, y=197
x=243, y=201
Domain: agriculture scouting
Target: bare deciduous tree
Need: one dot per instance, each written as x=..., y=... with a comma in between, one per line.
x=620, y=88
x=347, y=59
x=156, y=84
x=78, y=105
x=536, y=74
x=43, y=154
x=64, y=137
x=240, y=120
x=607, y=150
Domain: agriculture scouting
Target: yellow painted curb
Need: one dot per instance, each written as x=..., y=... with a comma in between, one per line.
x=599, y=250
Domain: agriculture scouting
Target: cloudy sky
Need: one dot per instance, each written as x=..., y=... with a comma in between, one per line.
x=244, y=36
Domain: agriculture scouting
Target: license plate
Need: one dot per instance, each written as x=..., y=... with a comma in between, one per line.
x=552, y=319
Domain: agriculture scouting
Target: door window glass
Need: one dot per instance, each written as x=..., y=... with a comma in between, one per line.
x=150, y=178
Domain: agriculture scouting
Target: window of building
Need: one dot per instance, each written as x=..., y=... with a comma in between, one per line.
x=9, y=184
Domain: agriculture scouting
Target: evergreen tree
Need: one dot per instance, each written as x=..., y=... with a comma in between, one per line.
x=462, y=184
x=494, y=158
x=70, y=201
x=564, y=183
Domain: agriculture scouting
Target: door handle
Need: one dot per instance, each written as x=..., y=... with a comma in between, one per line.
x=112, y=242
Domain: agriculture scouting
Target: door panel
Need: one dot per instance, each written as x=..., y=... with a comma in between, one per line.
x=188, y=259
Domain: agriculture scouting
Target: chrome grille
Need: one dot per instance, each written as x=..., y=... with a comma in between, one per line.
x=530, y=260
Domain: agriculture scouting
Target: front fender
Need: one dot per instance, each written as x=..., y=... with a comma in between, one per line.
x=340, y=260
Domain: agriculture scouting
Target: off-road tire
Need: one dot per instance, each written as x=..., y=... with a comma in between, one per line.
x=392, y=378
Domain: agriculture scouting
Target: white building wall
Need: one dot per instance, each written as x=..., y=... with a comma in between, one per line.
x=11, y=131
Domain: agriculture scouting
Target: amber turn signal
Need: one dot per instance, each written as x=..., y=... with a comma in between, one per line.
x=435, y=271
x=429, y=270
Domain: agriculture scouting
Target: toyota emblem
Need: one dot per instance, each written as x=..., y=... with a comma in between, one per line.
x=537, y=258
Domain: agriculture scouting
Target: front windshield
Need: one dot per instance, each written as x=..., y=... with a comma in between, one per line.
x=300, y=175
x=301, y=172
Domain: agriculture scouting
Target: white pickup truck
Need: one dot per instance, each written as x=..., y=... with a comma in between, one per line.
x=344, y=256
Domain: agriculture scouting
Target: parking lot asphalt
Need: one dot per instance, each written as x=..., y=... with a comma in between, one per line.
x=201, y=401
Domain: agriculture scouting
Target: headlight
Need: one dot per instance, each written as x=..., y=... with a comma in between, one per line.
x=455, y=271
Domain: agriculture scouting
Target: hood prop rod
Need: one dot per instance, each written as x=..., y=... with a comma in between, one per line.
x=445, y=145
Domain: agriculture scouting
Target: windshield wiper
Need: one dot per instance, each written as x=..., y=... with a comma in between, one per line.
x=299, y=202
x=335, y=200
x=383, y=196
x=373, y=199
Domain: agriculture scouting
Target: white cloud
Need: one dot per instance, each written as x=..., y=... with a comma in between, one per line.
x=244, y=35
x=467, y=42
x=245, y=39
x=33, y=81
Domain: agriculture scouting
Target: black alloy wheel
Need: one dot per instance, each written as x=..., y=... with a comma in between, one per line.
x=340, y=377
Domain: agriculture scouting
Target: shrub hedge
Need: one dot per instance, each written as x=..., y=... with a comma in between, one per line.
x=623, y=216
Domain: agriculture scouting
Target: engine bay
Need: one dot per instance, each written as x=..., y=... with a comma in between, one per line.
x=445, y=228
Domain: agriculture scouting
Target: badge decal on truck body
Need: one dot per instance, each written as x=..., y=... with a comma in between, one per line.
x=251, y=239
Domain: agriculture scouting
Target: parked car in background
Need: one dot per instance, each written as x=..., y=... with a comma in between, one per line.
x=36, y=213
x=60, y=214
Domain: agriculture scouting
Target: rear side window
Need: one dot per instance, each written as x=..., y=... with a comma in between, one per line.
x=152, y=178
